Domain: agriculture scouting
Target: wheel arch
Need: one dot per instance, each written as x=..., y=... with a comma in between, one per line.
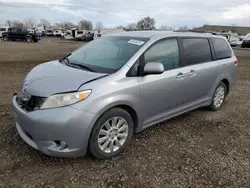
x=26, y=36
x=125, y=106
x=226, y=82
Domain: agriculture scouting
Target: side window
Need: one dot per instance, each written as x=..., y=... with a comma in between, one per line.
x=135, y=69
x=165, y=52
x=2, y=29
x=196, y=51
x=221, y=48
x=13, y=30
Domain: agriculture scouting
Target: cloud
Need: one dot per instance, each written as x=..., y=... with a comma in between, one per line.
x=119, y=12
x=239, y=12
x=42, y=2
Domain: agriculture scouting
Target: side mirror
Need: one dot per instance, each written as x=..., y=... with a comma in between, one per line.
x=153, y=68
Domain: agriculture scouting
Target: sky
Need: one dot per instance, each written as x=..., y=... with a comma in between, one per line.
x=112, y=13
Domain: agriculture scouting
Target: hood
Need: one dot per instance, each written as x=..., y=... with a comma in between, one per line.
x=54, y=77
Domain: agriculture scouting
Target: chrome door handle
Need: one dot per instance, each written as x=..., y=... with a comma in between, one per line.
x=192, y=73
x=180, y=76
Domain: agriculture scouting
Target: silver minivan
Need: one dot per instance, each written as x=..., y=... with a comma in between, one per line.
x=97, y=97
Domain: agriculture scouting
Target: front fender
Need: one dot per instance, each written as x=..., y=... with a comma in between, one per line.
x=28, y=36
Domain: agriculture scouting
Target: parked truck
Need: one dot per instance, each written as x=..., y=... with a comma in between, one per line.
x=21, y=34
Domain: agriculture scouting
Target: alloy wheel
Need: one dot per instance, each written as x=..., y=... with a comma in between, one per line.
x=219, y=96
x=113, y=134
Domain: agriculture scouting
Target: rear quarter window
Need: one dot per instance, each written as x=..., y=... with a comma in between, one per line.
x=196, y=50
x=221, y=48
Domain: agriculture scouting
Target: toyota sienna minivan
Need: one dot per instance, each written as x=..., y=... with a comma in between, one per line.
x=98, y=96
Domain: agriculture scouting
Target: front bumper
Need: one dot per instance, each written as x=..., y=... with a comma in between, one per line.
x=43, y=129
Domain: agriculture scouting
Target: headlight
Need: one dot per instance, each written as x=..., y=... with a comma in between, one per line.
x=65, y=99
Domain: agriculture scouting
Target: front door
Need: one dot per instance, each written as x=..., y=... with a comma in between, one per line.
x=12, y=34
x=19, y=34
x=161, y=95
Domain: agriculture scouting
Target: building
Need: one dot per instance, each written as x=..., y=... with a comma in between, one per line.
x=218, y=28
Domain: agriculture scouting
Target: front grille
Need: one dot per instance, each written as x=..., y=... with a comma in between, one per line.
x=34, y=103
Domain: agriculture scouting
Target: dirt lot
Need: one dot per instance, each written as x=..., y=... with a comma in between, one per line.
x=198, y=149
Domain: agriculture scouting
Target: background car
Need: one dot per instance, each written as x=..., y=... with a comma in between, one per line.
x=21, y=34
x=246, y=41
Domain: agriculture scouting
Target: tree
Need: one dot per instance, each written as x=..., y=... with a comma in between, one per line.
x=57, y=25
x=131, y=26
x=85, y=25
x=183, y=28
x=30, y=23
x=166, y=28
x=146, y=23
x=65, y=25
x=120, y=27
x=17, y=24
x=45, y=23
x=99, y=25
x=9, y=23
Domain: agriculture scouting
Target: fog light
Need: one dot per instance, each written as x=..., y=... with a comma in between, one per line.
x=62, y=145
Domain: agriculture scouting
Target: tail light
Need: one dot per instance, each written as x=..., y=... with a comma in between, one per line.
x=236, y=62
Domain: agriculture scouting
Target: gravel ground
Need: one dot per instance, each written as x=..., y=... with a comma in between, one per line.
x=198, y=149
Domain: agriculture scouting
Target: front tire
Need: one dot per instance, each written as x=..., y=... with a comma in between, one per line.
x=29, y=39
x=218, y=97
x=111, y=134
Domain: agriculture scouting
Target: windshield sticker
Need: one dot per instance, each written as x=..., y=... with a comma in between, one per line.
x=136, y=42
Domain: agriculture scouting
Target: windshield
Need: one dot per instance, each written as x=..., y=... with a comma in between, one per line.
x=247, y=37
x=107, y=54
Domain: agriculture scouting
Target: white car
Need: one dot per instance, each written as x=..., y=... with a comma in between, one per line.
x=3, y=29
x=59, y=33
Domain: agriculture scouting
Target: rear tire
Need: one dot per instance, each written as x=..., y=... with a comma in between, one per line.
x=111, y=134
x=5, y=38
x=218, y=97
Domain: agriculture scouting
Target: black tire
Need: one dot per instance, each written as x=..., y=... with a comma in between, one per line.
x=5, y=38
x=212, y=106
x=29, y=39
x=93, y=141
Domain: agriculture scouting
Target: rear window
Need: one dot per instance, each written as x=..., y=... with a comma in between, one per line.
x=221, y=48
x=197, y=50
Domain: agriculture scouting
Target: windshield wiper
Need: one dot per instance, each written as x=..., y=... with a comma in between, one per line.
x=83, y=66
x=68, y=61
x=65, y=58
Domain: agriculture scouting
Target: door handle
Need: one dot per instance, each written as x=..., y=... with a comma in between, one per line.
x=180, y=76
x=192, y=73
